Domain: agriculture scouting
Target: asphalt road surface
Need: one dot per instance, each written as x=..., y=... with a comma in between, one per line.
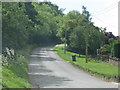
x=48, y=70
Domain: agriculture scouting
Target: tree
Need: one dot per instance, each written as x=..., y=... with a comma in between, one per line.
x=47, y=20
x=15, y=24
x=79, y=33
x=86, y=13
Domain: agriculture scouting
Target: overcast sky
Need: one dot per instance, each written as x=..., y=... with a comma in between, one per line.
x=103, y=12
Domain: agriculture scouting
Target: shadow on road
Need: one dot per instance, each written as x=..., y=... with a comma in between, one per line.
x=38, y=69
x=47, y=80
x=40, y=76
x=40, y=58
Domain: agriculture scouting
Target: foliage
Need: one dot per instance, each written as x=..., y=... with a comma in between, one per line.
x=106, y=49
x=28, y=23
x=14, y=23
x=112, y=48
x=86, y=13
x=44, y=22
x=116, y=50
x=77, y=31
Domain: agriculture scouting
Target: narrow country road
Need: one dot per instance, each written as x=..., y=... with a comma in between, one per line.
x=48, y=70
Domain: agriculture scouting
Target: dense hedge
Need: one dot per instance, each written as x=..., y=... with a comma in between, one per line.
x=116, y=50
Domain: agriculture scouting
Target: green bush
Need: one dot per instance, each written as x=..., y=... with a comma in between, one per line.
x=116, y=50
x=106, y=49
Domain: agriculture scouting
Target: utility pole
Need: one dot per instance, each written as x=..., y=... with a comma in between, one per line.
x=86, y=55
x=87, y=44
x=86, y=49
x=65, y=42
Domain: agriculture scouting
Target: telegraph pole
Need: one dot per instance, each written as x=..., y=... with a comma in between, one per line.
x=65, y=43
x=87, y=44
x=86, y=49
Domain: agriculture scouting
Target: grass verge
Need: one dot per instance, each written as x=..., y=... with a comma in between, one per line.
x=15, y=74
x=103, y=70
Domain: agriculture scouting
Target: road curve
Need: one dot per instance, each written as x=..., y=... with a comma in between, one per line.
x=48, y=70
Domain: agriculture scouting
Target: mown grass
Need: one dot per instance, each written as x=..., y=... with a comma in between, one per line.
x=15, y=74
x=104, y=70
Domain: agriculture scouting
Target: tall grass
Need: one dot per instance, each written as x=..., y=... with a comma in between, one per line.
x=15, y=69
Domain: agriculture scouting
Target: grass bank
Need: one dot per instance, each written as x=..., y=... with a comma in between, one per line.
x=15, y=73
x=102, y=70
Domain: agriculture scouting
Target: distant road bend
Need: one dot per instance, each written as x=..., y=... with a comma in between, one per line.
x=48, y=70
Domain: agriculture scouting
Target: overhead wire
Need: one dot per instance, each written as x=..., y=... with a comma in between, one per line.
x=106, y=9
x=108, y=24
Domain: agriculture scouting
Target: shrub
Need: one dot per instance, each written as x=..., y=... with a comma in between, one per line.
x=116, y=50
x=106, y=49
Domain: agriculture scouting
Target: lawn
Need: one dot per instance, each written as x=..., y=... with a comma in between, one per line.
x=101, y=69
